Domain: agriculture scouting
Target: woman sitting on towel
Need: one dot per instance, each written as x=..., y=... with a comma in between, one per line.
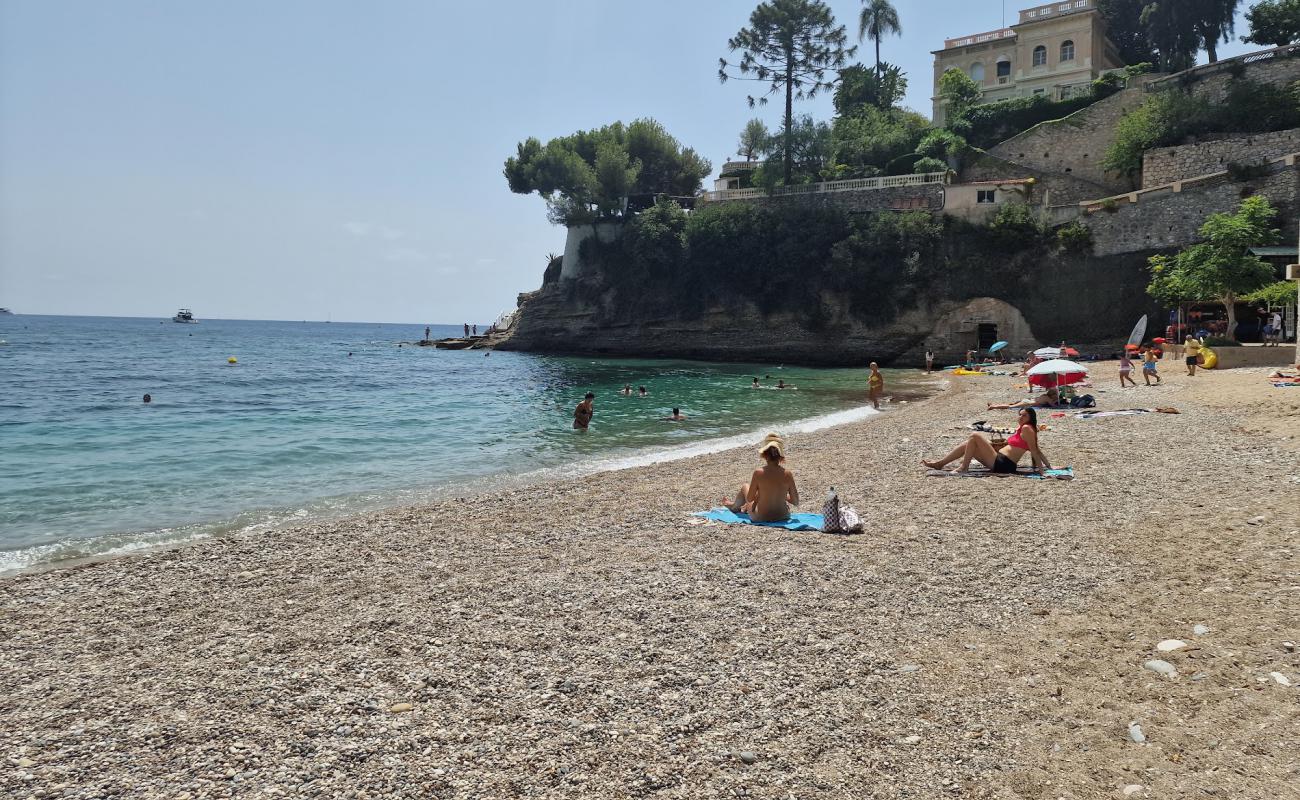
x=1006, y=460
x=1049, y=399
x=771, y=490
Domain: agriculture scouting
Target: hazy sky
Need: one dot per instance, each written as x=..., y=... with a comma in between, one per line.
x=305, y=159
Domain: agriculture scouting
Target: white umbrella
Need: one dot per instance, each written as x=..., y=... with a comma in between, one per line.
x=1048, y=352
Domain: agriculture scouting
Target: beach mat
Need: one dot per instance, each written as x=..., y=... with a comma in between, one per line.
x=1124, y=412
x=797, y=522
x=1063, y=474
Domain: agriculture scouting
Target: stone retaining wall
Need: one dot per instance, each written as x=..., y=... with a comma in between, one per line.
x=1172, y=219
x=1168, y=164
x=927, y=197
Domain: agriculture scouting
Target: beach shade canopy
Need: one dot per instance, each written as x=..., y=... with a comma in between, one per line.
x=1071, y=352
x=1048, y=352
x=1160, y=340
x=1132, y=347
x=997, y=346
x=1057, y=372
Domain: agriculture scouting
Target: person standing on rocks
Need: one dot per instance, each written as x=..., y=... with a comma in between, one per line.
x=875, y=385
x=582, y=414
x=466, y=330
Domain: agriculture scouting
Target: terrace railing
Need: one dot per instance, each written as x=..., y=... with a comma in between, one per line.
x=852, y=185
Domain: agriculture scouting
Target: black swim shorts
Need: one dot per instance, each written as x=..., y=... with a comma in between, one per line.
x=1003, y=465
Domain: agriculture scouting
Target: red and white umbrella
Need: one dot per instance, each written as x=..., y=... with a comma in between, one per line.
x=1057, y=372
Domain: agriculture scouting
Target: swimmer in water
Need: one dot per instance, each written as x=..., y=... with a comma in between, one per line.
x=642, y=391
x=148, y=398
x=755, y=385
x=677, y=416
x=780, y=384
x=626, y=391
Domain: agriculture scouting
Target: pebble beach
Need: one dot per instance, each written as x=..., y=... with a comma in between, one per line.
x=1130, y=633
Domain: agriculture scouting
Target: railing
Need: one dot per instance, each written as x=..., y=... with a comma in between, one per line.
x=852, y=185
x=736, y=166
x=1054, y=10
x=978, y=38
x=1227, y=65
x=1175, y=187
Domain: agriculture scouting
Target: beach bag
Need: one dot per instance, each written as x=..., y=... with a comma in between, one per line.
x=838, y=517
x=1087, y=401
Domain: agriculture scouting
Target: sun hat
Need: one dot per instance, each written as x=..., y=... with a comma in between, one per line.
x=773, y=440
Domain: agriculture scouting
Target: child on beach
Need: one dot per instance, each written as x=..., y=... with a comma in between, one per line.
x=771, y=489
x=1125, y=370
x=1149, y=366
x=875, y=385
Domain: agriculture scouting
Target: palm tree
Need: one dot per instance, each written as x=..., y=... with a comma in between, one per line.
x=879, y=19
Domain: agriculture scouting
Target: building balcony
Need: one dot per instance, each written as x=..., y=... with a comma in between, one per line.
x=979, y=38
x=1059, y=9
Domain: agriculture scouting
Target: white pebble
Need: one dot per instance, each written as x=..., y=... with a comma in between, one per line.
x=1132, y=789
x=1135, y=733
x=1280, y=678
x=1199, y=630
x=1162, y=667
x=1170, y=645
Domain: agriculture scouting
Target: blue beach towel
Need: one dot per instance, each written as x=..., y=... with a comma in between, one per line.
x=797, y=522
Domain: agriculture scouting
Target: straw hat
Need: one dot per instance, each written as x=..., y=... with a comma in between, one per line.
x=773, y=441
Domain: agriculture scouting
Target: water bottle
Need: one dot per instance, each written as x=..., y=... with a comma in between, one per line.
x=831, y=497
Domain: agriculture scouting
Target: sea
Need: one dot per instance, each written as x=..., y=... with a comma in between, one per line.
x=258, y=424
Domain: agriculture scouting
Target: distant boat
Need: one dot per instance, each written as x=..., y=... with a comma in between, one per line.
x=184, y=315
x=5, y=312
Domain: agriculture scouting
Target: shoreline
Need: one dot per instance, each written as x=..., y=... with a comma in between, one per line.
x=137, y=543
x=586, y=637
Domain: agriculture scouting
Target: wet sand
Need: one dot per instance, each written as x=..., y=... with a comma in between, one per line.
x=985, y=637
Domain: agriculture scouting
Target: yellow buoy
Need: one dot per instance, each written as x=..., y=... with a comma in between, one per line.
x=232, y=360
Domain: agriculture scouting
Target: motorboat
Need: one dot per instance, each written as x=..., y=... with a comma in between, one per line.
x=4, y=312
x=184, y=315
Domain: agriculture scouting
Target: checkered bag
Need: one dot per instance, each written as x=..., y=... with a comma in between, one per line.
x=838, y=517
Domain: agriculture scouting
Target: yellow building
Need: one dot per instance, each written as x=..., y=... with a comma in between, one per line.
x=1055, y=50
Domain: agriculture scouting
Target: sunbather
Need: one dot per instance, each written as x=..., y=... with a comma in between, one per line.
x=771, y=489
x=1048, y=399
x=1005, y=461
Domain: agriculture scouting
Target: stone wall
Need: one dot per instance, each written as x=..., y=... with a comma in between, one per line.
x=1075, y=146
x=926, y=197
x=1280, y=66
x=1171, y=219
x=1168, y=164
x=1060, y=189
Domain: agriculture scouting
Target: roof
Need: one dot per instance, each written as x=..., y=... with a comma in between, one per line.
x=1274, y=252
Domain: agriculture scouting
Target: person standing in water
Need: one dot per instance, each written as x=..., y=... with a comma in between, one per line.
x=875, y=385
x=754, y=385
x=582, y=414
x=677, y=416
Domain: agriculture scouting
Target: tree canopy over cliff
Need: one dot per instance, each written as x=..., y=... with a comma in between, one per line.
x=588, y=175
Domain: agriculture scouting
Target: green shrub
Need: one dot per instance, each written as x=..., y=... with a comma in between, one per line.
x=1074, y=238
x=924, y=166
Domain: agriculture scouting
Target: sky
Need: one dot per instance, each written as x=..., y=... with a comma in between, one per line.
x=318, y=159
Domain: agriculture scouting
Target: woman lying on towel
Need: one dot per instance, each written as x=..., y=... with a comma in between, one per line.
x=1006, y=460
x=771, y=490
x=1049, y=399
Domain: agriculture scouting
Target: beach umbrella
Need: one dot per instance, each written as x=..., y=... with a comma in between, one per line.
x=1139, y=331
x=997, y=346
x=1132, y=347
x=1071, y=352
x=1160, y=340
x=1048, y=352
x=1057, y=372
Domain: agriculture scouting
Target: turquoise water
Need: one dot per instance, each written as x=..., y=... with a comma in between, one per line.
x=298, y=429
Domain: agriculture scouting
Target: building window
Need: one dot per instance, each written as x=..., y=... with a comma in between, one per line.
x=1004, y=69
x=986, y=197
x=977, y=73
x=1067, y=50
x=1040, y=91
x=1040, y=56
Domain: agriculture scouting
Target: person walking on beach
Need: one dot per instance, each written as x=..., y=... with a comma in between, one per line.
x=582, y=414
x=1126, y=370
x=875, y=385
x=1149, y=366
x=1191, y=349
x=771, y=490
x=929, y=361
